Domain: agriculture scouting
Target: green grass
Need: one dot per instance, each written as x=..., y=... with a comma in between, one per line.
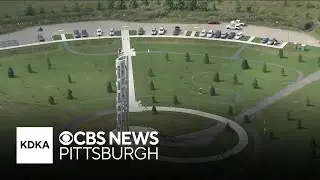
x=188, y=33
x=256, y=40
x=197, y=34
x=167, y=123
x=245, y=38
x=132, y=32
x=117, y=33
x=69, y=36
x=57, y=37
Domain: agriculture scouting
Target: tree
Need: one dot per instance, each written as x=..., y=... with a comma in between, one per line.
x=154, y=110
x=134, y=4
x=111, y=4
x=213, y=91
x=308, y=103
x=203, y=5
x=158, y=2
x=51, y=100
x=49, y=63
x=206, y=59
x=166, y=56
x=299, y=124
x=192, y=5
x=313, y=146
x=264, y=69
x=69, y=79
x=285, y=3
x=249, y=8
x=246, y=119
x=146, y=2
x=150, y=72
x=109, y=87
x=245, y=64
x=121, y=4
x=214, y=7
x=319, y=61
x=289, y=115
x=151, y=86
x=153, y=98
x=99, y=6
x=235, y=79
x=313, y=143
x=228, y=128
x=272, y=135
x=280, y=54
x=255, y=84
x=187, y=58
x=230, y=111
x=42, y=11
x=180, y=5
x=175, y=100
x=11, y=72
x=76, y=7
x=237, y=7
x=29, y=68
x=29, y=11
x=283, y=72
x=299, y=58
x=170, y=4
x=69, y=94
x=216, y=77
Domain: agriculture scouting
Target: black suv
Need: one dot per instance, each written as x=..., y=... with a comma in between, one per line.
x=231, y=35
x=41, y=38
x=77, y=33
x=84, y=33
x=217, y=34
x=176, y=30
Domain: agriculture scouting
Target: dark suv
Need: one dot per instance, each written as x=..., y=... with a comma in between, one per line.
x=217, y=34
x=41, y=38
x=176, y=30
x=77, y=33
x=231, y=35
x=84, y=33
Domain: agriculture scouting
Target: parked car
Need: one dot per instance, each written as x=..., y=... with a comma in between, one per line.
x=162, y=31
x=238, y=36
x=176, y=30
x=231, y=35
x=264, y=40
x=112, y=32
x=217, y=34
x=99, y=32
x=233, y=27
x=210, y=34
x=270, y=42
x=203, y=33
x=141, y=31
x=41, y=38
x=84, y=33
x=154, y=31
x=76, y=33
x=224, y=35
x=275, y=41
x=213, y=22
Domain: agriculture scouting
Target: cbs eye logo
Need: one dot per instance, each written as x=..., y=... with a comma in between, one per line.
x=66, y=138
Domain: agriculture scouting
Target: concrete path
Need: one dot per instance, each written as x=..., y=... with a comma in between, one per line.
x=251, y=38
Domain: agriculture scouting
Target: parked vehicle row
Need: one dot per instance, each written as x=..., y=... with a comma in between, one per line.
x=269, y=41
x=219, y=34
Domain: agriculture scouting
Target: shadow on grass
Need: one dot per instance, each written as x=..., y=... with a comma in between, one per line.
x=239, y=83
x=267, y=71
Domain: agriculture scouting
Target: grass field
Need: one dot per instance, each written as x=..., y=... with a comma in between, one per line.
x=56, y=37
x=167, y=123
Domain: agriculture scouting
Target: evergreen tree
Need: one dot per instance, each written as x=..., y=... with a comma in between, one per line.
x=152, y=86
x=237, y=6
x=51, y=100
x=180, y=5
x=246, y=119
x=153, y=98
x=206, y=59
x=245, y=64
x=166, y=56
x=308, y=103
x=283, y=72
x=154, y=110
x=280, y=54
x=11, y=72
x=175, y=100
x=299, y=124
x=49, y=63
x=235, y=79
x=121, y=4
x=111, y=4
x=30, y=11
x=109, y=87
x=29, y=68
x=187, y=58
x=299, y=58
x=170, y=4
x=150, y=72
x=99, y=6
x=134, y=4
x=264, y=69
x=255, y=84
x=214, y=7
x=289, y=115
x=216, y=77
x=313, y=143
x=192, y=5
x=230, y=111
x=69, y=79
x=146, y=2
x=202, y=5
x=212, y=91
x=69, y=94
x=76, y=7
x=272, y=135
x=42, y=11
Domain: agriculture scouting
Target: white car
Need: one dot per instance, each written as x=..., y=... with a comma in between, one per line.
x=162, y=31
x=112, y=32
x=238, y=23
x=154, y=31
x=238, y=36
x=210, y=34
x=233, y=27
x=99, y=32
x=203, y=33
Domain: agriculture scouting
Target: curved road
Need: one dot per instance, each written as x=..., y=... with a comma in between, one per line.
x=28, y=35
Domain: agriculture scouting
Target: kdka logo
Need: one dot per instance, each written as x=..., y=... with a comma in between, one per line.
x=34, y=145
